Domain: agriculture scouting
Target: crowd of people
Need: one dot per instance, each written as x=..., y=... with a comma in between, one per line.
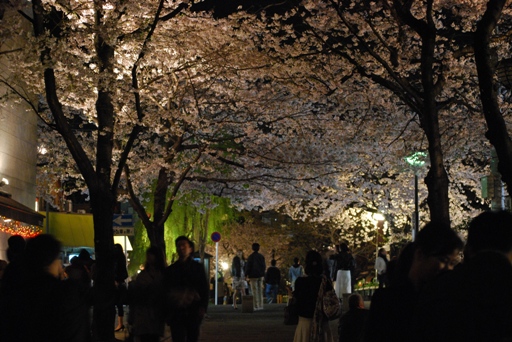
x=437, y=289
x=54, y=302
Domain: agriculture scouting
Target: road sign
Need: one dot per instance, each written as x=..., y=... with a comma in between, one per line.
x=216, y=237
x=122, y=220
x=125, y=231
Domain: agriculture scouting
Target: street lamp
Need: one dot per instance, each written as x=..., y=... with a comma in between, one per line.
x=416, y=160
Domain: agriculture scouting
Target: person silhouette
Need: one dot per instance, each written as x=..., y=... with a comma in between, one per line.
x=255, y=271
x=54, y=309
x=146, y=294
x=187, y=293
x=238, y=275
x=296, y=271
x=435, y=250
x=306, y=295
x=120, y=276
x=272, y=280
x=469, y=304
x=351, y=324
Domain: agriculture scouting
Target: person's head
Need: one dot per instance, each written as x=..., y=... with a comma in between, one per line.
x=75, y=261
x=490, y=231
x=273, y=262
x=355, y=301
x=256, y=247
x=296, y=261
x=118, y=249
x=184, y=246
x=85, y=255
x=42, y=254
x=314, y=264
x=16, y=247
x=155, y=259
x=344, y=248
x=383, y=252
x=240, y=253
x=437, y=248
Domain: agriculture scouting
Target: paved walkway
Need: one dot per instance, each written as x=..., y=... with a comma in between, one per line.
x=226, y=324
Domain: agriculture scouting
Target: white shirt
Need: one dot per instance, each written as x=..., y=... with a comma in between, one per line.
x=380, y=265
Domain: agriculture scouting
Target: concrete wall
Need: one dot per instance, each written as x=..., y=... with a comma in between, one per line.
x=18, y=134
x=18, y=142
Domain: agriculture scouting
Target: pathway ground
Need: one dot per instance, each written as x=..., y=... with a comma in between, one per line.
x=226, y=324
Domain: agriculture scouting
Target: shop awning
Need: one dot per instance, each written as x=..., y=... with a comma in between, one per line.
x=73, y=230
x=19, y=212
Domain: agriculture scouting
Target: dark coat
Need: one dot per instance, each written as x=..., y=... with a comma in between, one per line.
x=146, y=298
x=273, y=276
x=186, y=286
x=44, y=309
x=471, y=303
x=255, y=266
x=391, y=312
x=306, y=294
x=351, y=325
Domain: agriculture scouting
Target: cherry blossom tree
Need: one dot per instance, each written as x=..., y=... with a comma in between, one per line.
x=414, y=49
x=486, y=39
x=146, y=89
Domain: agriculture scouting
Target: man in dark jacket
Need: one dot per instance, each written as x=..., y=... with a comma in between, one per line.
x=255, y=271
x=272, y=280
x=186, y=288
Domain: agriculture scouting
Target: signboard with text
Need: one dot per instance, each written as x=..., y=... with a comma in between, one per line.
x=126, y=231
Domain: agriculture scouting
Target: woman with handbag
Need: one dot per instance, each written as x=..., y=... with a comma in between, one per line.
x=309, y=292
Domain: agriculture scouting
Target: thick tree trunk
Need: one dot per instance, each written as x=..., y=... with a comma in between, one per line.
x=437, y=178
x=497, y=130
x=104, y=288
x=154, y=226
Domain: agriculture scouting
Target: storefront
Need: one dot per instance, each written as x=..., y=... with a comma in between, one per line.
x=17, y=219
x=76, y=231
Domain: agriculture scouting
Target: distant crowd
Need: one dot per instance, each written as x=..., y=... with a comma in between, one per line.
x=438, y=289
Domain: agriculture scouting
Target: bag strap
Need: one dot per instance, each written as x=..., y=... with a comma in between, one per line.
x=318, y=316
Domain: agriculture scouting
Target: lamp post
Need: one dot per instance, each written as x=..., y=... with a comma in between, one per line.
x=377, y=219
x=416, y=160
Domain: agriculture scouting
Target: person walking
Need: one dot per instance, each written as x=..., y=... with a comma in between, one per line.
x=344, y=270
x=313, y=325
x=296, y=271
x=187, y=289
x=272, y=280
x=238, y=275
x=255, y=271
x=381, y=265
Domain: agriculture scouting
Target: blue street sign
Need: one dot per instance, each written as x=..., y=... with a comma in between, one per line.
x=122, y=220
x=215, y=237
